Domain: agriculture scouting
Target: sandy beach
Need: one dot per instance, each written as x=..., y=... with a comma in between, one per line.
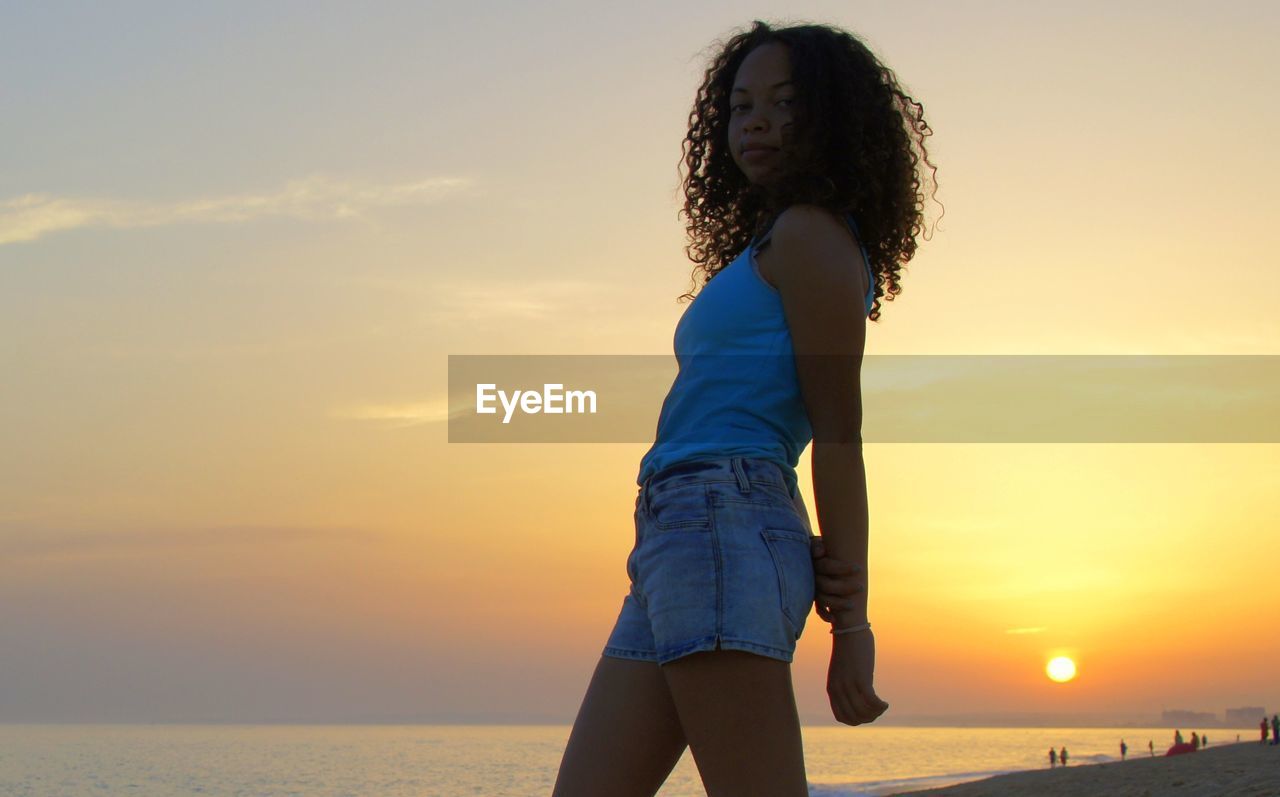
x=1248, y=769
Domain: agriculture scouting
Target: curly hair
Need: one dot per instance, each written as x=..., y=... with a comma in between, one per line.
x=859, y=149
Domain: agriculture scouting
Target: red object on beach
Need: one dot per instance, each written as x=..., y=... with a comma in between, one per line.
x=1179, y=749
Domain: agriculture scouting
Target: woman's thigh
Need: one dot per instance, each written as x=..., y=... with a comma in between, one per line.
x=627, y=736
x=738, y=713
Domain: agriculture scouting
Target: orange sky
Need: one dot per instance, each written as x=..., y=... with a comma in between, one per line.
x=229, y=287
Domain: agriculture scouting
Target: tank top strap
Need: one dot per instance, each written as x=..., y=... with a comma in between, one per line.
x=762, y=238
x=869, y=299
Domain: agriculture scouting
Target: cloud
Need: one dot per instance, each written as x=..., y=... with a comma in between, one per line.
x=399, y=415
x=315, y=198
x=447, y=300
x=22, y=541
x=511, y=300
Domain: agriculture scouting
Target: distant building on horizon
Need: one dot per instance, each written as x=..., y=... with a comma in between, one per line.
x=1184, y=718
x=1245, y=717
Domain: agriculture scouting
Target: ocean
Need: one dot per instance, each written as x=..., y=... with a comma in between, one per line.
x=162, y=760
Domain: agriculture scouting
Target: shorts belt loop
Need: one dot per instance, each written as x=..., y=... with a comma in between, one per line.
x=743, y=483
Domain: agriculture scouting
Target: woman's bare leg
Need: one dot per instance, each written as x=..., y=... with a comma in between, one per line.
x=627, y=737
x=738, y=712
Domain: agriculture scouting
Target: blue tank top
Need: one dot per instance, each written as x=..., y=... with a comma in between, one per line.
x=736, y=392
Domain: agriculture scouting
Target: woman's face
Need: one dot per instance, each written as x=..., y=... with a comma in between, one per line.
x=760, y=112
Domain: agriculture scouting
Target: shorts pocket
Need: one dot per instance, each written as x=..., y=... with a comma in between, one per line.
x=681, y=507
x=793, y=563
x=631, y=566
x=633, y=577
x=774, y=492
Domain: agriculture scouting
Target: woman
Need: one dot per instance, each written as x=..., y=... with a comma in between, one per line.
x=803, y=197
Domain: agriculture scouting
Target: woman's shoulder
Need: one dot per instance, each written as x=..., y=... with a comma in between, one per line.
x=803, y=220
x=805, y=233
x=808, y=222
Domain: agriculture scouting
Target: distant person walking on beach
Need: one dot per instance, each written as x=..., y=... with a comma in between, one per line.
x=1275, y=728
x=1151, y=747
x=1063, y=755
x=1124, y=748
x=1263, y=726
x=806, y=182
x=1195, y=740
x=1053, y=758
x=1204, y=740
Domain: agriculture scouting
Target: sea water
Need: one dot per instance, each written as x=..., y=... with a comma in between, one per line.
x=492, y=760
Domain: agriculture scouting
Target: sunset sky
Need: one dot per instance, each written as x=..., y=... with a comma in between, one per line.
x=238, y=242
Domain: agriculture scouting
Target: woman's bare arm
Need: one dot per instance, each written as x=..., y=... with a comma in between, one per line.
x=840, y=483
x=836, y=583
x=818, y=270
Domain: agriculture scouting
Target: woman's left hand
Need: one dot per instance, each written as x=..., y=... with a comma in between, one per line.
x=834, y=581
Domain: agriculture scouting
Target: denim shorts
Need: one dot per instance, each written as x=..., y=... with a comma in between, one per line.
x=721, y=560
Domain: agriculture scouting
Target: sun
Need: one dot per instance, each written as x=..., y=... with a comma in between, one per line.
x=1061, y=669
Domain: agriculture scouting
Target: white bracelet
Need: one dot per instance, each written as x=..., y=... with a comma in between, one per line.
x=851, y=629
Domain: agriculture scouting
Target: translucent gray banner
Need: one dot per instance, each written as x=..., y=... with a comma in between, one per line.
x=905, y=398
